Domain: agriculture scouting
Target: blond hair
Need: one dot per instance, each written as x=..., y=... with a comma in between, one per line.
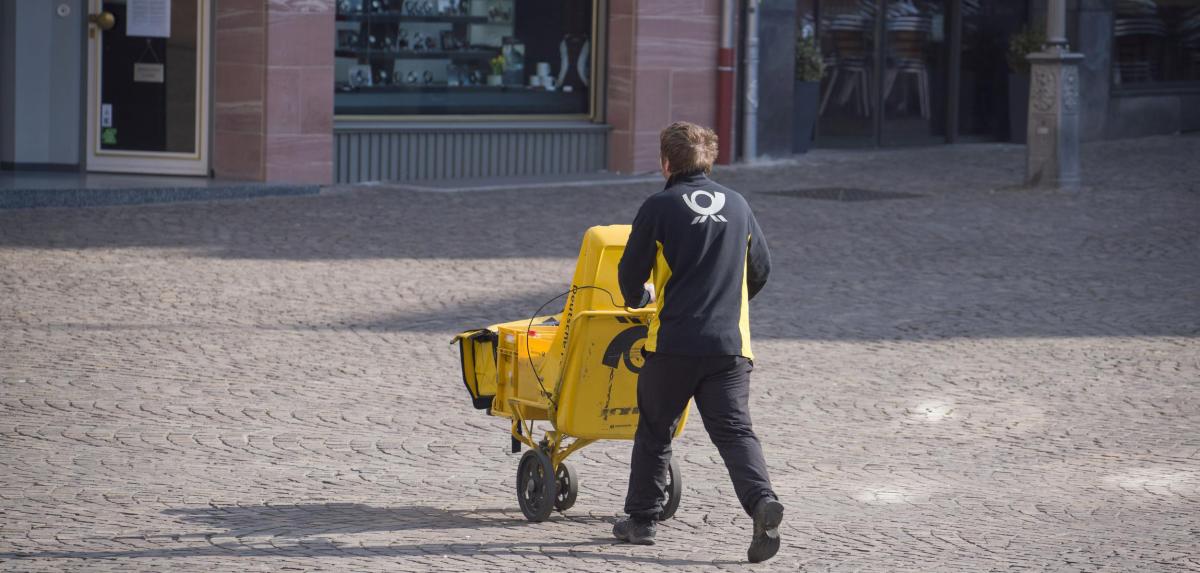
x=688, y=148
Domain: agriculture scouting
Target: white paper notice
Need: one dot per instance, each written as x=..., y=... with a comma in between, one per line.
x=148, y=18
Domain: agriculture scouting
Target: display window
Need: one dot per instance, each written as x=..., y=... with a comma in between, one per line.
x=464, y=58
x=1156, y=41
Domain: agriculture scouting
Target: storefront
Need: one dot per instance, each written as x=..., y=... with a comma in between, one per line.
x=913, y=72
x=332, y=91
x=1142, y=72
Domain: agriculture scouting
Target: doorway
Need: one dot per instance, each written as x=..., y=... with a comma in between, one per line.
x=911, y=72
x=147, y=86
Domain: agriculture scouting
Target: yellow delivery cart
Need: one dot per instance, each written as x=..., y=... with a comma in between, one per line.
x=575, y=371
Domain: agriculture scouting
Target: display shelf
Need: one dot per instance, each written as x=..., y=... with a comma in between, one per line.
x=411, y=55
x=397, y=17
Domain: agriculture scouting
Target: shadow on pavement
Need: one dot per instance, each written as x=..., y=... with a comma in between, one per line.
x=358, y=225
x=307, y=520
x=295, y=531
x=969, y=264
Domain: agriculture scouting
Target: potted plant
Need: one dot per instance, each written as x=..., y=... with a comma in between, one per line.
x=1026, y=41
x=496, y=78
x=806, y=97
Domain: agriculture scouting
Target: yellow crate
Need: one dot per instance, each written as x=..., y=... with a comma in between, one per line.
x=517, y=355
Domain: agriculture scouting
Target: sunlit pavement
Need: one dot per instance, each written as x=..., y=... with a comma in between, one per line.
x=980, y=378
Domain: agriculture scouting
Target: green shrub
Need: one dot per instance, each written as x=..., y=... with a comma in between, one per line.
x=810, y=66
x=1026, y=41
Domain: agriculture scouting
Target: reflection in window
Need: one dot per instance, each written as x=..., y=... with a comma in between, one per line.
x=1156, y=41
x=908, y=92
x=463, y=57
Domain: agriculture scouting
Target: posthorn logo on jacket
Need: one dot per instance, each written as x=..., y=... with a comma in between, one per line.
x=716, y=202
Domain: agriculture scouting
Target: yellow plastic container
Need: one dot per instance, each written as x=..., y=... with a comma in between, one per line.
x=477, y=349
x=518, y=356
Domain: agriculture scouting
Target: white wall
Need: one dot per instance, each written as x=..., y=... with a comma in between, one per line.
x=41, y=82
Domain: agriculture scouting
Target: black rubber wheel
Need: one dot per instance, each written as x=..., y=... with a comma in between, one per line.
x=536, y=485
x=567, y=482
x=674, y=490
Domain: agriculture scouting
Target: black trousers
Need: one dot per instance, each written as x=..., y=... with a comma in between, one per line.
x=721, y=387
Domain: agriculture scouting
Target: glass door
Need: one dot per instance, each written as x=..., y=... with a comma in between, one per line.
x=846, y=30
x=913, y=93
x=147, y=86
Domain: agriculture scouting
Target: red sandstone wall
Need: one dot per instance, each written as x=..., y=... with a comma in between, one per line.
x=662, y=67
x=273, y=90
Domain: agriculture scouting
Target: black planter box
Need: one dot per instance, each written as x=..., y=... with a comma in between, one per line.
x=1018, y=107
x=806, y=99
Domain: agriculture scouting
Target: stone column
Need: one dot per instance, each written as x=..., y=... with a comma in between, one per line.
x=1052, y=154
x=274, y=90
x=662, y=67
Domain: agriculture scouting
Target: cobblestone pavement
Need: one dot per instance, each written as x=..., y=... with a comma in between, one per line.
x=982, y=378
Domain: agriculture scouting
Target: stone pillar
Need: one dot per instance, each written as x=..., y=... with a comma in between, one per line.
x=273, y=91
x=662, y=67
x=299, y=126
x=1052, y=154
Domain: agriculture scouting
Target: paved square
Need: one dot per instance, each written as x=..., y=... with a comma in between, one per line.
x=980, y=378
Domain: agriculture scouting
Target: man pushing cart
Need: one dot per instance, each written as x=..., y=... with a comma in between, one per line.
x=609, y=369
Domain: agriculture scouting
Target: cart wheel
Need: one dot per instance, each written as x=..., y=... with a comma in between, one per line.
x=535, y=485
x=674, y=489
x=568, y=487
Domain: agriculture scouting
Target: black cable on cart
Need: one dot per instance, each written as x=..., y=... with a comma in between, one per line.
x=528, y=329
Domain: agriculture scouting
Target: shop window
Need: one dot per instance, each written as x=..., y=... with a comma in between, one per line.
x=1156, y=41
x=464, y=57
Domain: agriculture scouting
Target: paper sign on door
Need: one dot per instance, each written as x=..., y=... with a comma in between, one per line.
x=106, y=115
x=148, y=73
x=148, y=18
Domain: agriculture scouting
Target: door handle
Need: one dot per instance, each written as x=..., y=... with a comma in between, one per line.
x=104, y=20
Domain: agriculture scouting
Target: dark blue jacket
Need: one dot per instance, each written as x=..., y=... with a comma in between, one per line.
x=699, y=243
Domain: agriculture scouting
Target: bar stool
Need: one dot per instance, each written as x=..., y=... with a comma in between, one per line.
x=1138, y=32
x=908, y=36
x=850, y=60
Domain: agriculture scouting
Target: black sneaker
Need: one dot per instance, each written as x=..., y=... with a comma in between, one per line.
x=768, y=514
x=635, y=531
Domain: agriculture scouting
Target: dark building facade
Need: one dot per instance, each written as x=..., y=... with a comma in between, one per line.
x=911, y=72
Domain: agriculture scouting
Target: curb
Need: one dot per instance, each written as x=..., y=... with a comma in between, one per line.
x=103, y=197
